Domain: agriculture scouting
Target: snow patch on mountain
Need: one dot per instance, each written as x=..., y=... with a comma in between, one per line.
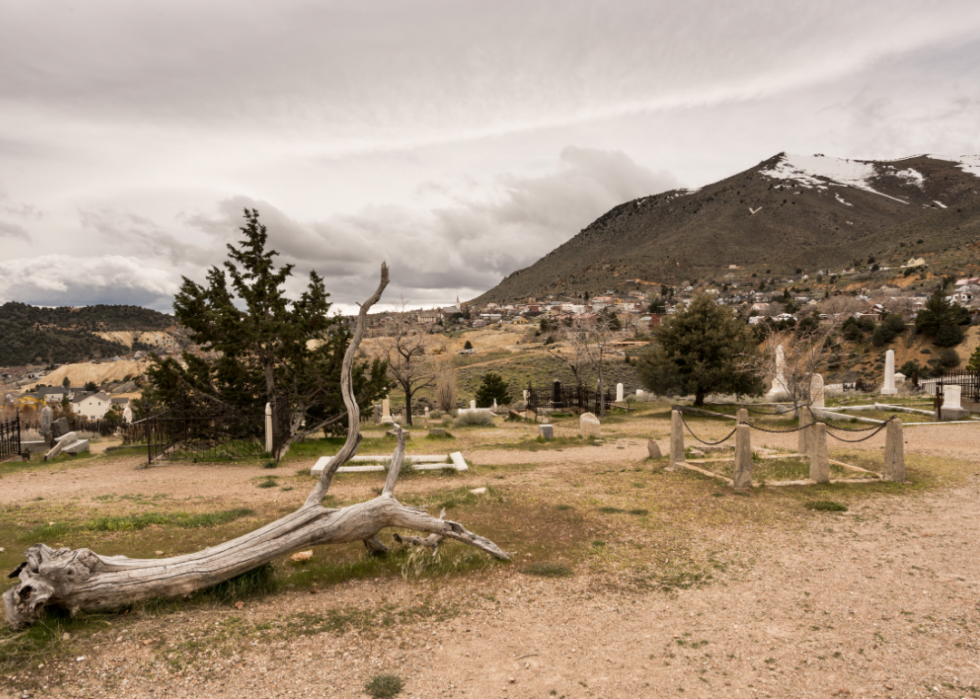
x=820, y=172
x=968, y=163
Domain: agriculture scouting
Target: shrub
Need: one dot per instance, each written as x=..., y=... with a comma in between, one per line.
x=948, y=358
x=468, y=345
x=882, y=335
x=384, y=686
x=949, y=335
x=895, y=323
x=474, y=417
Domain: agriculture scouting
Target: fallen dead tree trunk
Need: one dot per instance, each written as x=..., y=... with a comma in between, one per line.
x=83, y=580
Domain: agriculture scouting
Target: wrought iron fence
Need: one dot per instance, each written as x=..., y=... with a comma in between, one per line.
x=180, y=436
x=559, y=396
x=969, y=382
x=10, y=436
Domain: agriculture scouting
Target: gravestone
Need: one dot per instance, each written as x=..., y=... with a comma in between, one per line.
x=472, y=405
x=546, y=431
x=377, y=414
x=426, y=412
x=438, y=432
x=128, y=414
x=778, y=391
x=952, y=410
x=816, y=391
x=555, y=393
x=888, y=388
x=653, y=449
x=494, y=405
x=59, y=427
x=590, y=426
x=899, y=379
x=46, y=415
x=676, y=440
x=640, y=393
x=619, y=393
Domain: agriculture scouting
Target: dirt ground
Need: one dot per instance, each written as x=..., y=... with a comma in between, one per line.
x=880, y=601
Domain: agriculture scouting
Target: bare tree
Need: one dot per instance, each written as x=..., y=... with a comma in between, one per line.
x=804, y=356
x=591, y=338
x=407, y=365
x=444, y=372
x=84, y=580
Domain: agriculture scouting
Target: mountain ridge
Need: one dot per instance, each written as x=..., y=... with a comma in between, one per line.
x=784, y=213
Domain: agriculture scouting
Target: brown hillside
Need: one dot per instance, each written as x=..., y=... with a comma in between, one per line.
x=801, y=219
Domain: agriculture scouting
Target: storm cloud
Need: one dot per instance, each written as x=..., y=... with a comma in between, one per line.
x=457, y=140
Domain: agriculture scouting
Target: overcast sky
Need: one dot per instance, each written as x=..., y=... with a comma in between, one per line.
x=457, y=140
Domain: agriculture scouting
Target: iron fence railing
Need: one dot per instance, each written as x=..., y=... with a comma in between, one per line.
x=559, y=396
x=175, y=436
x=10, y=436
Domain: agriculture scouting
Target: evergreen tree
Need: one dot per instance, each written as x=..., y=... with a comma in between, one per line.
x=492, y=386
x=703, y=349
x=258, y=346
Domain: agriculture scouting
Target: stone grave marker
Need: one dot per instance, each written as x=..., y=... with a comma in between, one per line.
x=589, y=425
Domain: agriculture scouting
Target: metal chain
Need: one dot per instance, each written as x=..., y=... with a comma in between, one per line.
x=707, y=413
x=877, y=429
x=725, y=439
x=763, y=429
x=863, y=429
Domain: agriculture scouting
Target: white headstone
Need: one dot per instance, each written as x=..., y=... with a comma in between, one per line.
x=951, y=397
x=127, y=414
x=816, y=391
x=899, y=379
x=639, y=393
x=46, y=414
x=778, y=391
x=527, y=395
x=619, y=393
x=590, y=426
x=472, y=405
x=268, y=428
x=426, y=412
x=888, y=389
x=385, y=408
x=494, y=403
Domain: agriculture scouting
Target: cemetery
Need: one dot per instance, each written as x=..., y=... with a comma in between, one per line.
x=657, y=505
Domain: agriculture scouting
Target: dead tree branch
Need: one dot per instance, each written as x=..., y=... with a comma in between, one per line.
x=84, y=580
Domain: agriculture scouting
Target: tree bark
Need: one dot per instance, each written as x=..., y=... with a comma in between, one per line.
x=83, y=580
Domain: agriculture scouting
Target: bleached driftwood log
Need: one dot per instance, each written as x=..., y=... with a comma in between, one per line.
x=84, y=580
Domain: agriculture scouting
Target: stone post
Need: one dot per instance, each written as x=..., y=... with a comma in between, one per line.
x=385, y=409
x=619, y=393
x=894, y=469
x=742, y=416
x=803, y=436
x=816, y=391
x=377, y=414
x=743, y=457
x=46, y=417
x=268, y=428
x=819, y=464
x=676, y=440
x=888, y=389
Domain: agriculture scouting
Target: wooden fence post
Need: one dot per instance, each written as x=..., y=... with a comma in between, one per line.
x=742, y=477
x=819, y=464
x=676, y=440
x=804, y=435
x=894, y=469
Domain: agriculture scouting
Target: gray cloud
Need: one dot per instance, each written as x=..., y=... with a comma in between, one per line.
x=426, y=133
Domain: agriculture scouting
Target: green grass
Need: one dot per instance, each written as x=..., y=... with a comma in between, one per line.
x=826, y=506
x=548, y=570
x=384, y=686
x=182, y=520
x=269, y=482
